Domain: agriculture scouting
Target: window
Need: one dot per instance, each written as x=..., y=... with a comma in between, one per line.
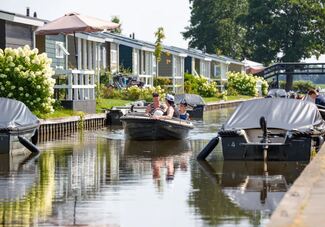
x=113, y=57
x=217, y=70
x=60, y=50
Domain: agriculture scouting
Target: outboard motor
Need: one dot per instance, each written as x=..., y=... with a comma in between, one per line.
x=265, y=138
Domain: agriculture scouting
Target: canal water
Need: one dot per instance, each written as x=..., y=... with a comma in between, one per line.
x=99, y=178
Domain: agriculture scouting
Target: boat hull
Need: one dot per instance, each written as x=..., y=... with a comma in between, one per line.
x=9, y=142
x=141, y=128
x=294, y=149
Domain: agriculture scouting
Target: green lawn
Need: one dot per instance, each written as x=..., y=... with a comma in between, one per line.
x=103, y=104
x=60, y=113
x=320, y=85
x=229, y=98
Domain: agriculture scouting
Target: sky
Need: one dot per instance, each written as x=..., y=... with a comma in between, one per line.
x=142, y=17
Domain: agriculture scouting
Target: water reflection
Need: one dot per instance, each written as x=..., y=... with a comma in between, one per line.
x=99, y=178
x=248, y=190
x=26, y=189
x=165, y=157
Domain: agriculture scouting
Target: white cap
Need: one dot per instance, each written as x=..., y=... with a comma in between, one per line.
x=170, y=97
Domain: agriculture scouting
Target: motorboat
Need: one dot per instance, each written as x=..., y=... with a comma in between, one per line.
x=271, y=129
x=195, y=102
x=18, y=127
x=138, y=126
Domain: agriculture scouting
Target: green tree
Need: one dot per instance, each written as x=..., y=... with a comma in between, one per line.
x=160, y=35
x=117, y=20
x=215, y=28
x=291, y=27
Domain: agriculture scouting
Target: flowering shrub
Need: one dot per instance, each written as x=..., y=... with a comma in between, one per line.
x=245, y=84
x=132, y=93
x=199, y=85
x=26, y=75
x=136, y=93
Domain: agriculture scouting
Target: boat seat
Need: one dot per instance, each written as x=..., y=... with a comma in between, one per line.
x=255, y=135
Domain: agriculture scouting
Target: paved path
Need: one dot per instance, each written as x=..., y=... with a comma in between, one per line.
x=304, y=203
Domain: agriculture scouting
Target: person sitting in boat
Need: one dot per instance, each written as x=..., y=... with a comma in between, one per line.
x=320, y=99
x=171, y=111
x=311, y=96
x=182, y=110
x=156, y=108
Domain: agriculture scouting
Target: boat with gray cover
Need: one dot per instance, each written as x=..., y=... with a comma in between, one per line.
x=18, y=127
x=271, y=129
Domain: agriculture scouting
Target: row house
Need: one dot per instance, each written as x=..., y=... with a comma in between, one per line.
x=17, y=30
x=78, y=60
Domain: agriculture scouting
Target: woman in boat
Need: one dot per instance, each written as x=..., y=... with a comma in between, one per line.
x=171, y=109
x=156, y=106
x=182, y=110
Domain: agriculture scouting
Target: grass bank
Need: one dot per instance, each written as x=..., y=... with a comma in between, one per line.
x=229, y=98
x=60, y=113
x=103, y=104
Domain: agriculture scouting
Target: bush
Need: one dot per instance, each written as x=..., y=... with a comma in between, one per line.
x=110, y=92
x=105, y=77
x=245, y=84
x=131, y=93
x=199, y=85
x=301, y=86
x=160, y=81
x=265, y=87
x=26, y=76
x=136, y=93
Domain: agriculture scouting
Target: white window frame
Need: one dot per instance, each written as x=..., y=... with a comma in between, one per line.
x=60, y=50
x=135, y=62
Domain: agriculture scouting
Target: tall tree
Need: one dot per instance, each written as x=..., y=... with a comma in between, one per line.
x=295, y=28
x=117, y=20
x=214, y=26
x=160, y=35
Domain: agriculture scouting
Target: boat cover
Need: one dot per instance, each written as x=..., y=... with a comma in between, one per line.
x=15, y=115
x=279, y=93
x=191, y=99
x=288, y=114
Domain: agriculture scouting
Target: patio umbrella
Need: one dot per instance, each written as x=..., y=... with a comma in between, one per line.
x=75, y=22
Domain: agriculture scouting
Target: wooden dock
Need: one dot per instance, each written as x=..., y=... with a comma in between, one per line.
x=304, y=203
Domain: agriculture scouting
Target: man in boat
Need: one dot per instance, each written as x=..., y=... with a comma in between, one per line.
x=320, y=99
x=156, y=105
x=311, y=96
x=171, y=111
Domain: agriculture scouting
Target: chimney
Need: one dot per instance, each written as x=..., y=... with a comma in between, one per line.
x=35, y=15
x=133, y=36
x=27, y=11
